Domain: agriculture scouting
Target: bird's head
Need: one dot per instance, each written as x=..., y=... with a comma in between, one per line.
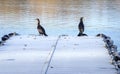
x=81, y=18
x=37, y=20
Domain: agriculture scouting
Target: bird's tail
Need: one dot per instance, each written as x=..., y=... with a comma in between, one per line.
x=45, y=34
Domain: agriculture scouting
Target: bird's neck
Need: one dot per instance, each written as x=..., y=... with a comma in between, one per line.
x=38, y=22
x=81, y=21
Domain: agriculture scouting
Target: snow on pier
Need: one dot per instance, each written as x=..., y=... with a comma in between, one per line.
x=55, y=55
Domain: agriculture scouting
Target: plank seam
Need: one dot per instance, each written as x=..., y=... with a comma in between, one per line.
x=52, y=53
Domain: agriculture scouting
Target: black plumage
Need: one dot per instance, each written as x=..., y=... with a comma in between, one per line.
x=81, y=26
x=40, y=29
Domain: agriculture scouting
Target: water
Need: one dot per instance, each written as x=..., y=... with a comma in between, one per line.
x=61, y=17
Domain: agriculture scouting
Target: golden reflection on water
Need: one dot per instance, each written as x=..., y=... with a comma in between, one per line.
x=64, y=14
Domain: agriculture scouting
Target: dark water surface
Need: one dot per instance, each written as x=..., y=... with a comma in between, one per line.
x=61, y=17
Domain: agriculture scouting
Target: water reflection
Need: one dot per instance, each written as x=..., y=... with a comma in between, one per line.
x=60, y=16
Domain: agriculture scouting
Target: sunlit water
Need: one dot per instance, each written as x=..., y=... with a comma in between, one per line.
x=61, y=17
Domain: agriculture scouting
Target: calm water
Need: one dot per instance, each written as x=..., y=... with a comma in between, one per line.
x=61, y=17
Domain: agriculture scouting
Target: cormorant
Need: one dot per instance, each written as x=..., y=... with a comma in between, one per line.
x=40, y=29
x=81, y=26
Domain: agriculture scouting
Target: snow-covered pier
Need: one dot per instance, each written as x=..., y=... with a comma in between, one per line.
x=32, y=54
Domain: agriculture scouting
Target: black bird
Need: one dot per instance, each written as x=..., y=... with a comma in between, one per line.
x=40, y=29
x=81, y=26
